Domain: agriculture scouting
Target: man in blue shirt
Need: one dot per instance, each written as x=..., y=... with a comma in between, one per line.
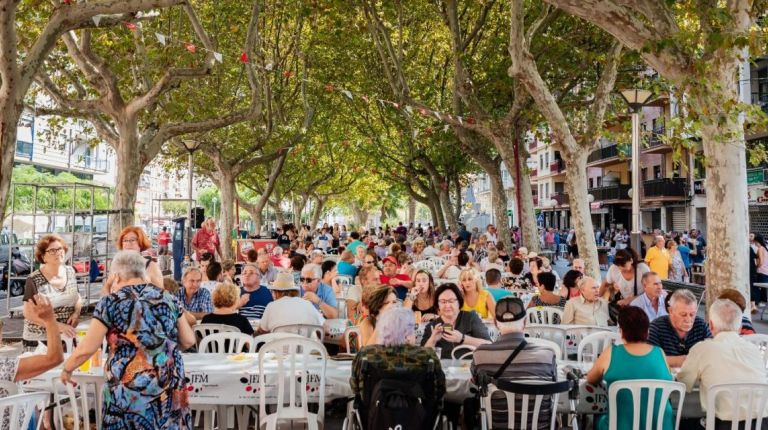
x=196, y=300
x=352, y=247
x=677, y=332
x=319, y=294
x=685, y=254
x=652, y=299
x=253, y=297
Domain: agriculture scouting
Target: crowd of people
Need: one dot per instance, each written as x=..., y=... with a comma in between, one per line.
x=379, y=281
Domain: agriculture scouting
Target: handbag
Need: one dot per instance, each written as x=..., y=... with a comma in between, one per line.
x=614, y=306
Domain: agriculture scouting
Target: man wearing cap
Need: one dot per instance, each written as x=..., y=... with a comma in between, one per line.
x=287, y=308
x=400, y=281
x=531, y=362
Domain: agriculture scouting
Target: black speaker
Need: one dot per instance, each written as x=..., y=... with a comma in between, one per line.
x=197, y=216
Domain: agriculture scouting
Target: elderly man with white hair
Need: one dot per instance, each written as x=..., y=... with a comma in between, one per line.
x=317, y=293
x=679, y=331
x=725, y=359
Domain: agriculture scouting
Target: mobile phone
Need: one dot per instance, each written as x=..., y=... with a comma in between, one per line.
x=447, y=328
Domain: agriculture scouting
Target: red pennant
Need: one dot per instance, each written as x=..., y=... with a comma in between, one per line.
x=329, y=88
x=396, y=105
x=130, y=26
x=423, y=112
x=288, y=73
x=244, y=57
x=345, y=143
x=428, y=130
x=67, y=2
x=190, y=47
x=365, y=98
x=470, y=120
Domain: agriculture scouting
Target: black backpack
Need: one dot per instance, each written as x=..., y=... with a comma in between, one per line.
x=398, y=400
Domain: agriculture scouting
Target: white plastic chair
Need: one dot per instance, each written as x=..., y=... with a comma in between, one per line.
x=574, y=335
x=463, y=352
x=545, y=315
x=520, y=393
x=761, y=340
x=751, y=401
x=87, y=394
x=261, y=339
x=546, y=344
x=21, y=407
x=636, y=388
x=592, y=345
x=343, y=280
x=227, y=343
x=306, y=330
x=423, y=265
x=294, y=356
x=8, y=388
x=203, y=330
x=551, y=333
x=348, y=339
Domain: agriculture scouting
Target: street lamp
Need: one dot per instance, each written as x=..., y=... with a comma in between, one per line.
x=636, y=99
x=191, y=146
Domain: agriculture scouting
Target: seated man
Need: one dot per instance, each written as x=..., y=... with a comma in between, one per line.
x=195, y=299
x=588, y=308
x=390, y=276
x=267, y=271
x=253, y=296
x=724, y=359
x=735, y=296
x=317, y=293
x=287, y=308
x=652, y=299
x=532, y=362
x=677, y=332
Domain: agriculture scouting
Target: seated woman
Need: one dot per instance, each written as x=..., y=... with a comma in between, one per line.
x=421, y=298
x=635, y=359
x=346, y=266
x=568, y=288
x=547, y=296
x=394, y=347
x=453, y=327
x=226, y=301
x=375, y=302
x=329, y=276
x=476, y=298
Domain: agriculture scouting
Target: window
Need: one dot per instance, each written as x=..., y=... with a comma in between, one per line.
x=591, y=182
x=644, y=174
x=656, y=172
x=599, y=181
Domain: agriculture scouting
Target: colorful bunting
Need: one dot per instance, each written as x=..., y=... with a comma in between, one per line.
x=96, y=20
x=329, y=88
x=218, y=57
x=190, y=47
x=244, y=57
x=160, y=38
x=130, y=26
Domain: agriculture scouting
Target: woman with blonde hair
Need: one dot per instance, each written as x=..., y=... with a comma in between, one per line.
x=476, y=298
x=226, y=301
x=418, y=250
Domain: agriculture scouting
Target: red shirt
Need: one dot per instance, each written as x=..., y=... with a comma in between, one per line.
x=205, y=241
x=163, y=238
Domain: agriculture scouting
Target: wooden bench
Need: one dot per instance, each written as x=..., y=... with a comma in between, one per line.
x=697, y=290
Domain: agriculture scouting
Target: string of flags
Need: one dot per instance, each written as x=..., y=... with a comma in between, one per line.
x=243, y=58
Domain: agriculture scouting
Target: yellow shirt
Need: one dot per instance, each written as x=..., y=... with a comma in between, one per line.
x=481, y=306
x=659, y=261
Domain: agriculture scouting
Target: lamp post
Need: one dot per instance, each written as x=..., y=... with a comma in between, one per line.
x=191, y=146
x=636, y=99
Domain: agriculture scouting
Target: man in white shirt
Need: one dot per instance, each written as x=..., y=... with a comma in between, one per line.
x=430, y=250
x=588, y=308
x=724, y=359
x=288, y=308
x=490, y=234
x=652, y=299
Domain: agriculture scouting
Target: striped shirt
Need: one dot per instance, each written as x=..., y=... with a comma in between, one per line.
x=200, y=301
x=663, y=335
x=258, y=300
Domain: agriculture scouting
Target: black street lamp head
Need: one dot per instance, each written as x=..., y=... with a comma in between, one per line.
x=636, y=98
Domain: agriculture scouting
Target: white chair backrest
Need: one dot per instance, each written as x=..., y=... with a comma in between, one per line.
x=8, y=388
x=296, y=358
x=261, y=339
x=750, y=399
x=227, y=343
x=87, y=394
x=550, y=333
x=574, y=335
x=547, y=344
x=517, y=394
x=343, y=280
x=21, y=407
x=592, y=345
x=545, y=315
x=424, y=265
x=463, y=352
x=761, y=340
x=203, y=330
x=650, y=386
x=306, y=330
x=352, y=335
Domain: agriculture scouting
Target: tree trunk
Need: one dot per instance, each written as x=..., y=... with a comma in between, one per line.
x=411, y=211
x=318, y=212
x=528, y=228
x=279, y=214
x=445, y=202
x=499, y=204
x=258, y=220
x=360, y=216
x=581, y=218
x=227, y=190
x=10, y=112
x=458, y=200
x=130, y=167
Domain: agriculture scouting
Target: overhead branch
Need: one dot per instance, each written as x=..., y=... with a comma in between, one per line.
x=602, y=95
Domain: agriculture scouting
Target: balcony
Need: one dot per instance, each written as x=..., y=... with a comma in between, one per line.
x=656, y=142
x=534, y=173
x=608, y=155
x=611, y=192
x=24, y=149
x=88, y=162
x=535, y=201
x=557, y=166
x=561, y=198
x=665, y=187
x=533, y=144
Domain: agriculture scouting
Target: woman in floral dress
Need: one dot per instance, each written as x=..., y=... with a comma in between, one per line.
x=146, y=333
x=677, y=270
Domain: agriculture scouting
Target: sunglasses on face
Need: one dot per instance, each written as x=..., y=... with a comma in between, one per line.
x=306, y=280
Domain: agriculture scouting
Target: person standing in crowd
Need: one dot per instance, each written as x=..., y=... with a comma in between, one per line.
x=206, y=239
x=622, y=282
x=453, y=326
x=698, y=246
x=658, y=259
x=685, y=254
x=725, y=359
x=317, y=293
x=634, y=359
x=588, y=308
x=677, y=332
x=163, y=240
x=151, y=360
x=532, y=362
x=677, y=272
x=226, y=301
x=133, y=238
x=653, y=297
x=287, y=308
x=490, y=235
x=253, y=297
x=193, y=298
x=762, y=268
x=57, y=282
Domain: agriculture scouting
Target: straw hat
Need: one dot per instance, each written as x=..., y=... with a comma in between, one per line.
x=283, y=282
